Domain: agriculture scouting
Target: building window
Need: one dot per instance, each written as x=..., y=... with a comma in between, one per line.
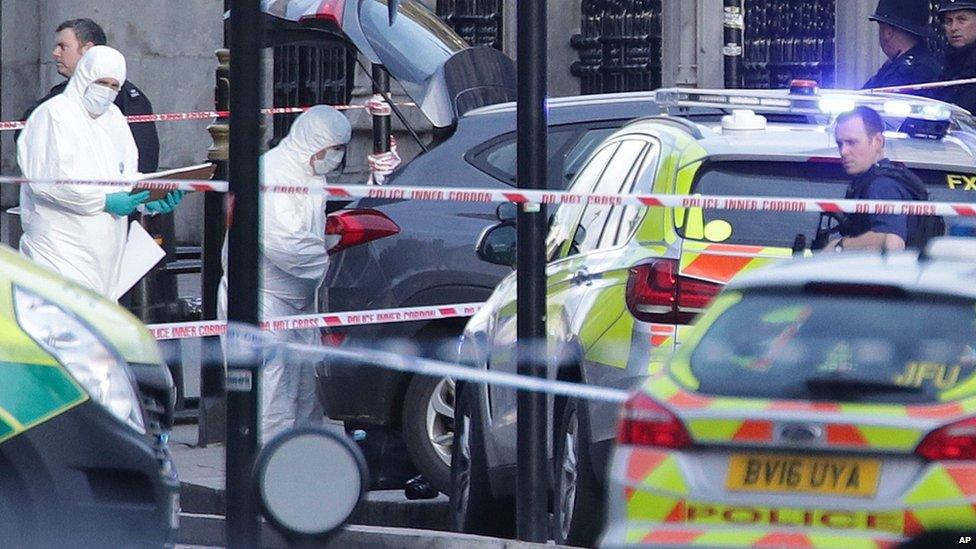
x=479, y=22
x=789, y=40
x=307, y=75
x=619, y=46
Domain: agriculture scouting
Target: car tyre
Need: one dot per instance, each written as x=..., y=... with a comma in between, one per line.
x=474, y=510
x=428, y=428
x=578, y=497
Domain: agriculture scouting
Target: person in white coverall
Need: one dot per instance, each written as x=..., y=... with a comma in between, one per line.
x=80, y=231
x=293, y=261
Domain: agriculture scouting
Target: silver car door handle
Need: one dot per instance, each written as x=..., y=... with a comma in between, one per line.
x=582, y=276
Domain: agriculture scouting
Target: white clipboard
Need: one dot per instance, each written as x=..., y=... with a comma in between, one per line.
x=140, y=255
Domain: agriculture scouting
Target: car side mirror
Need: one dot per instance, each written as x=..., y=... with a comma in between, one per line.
x=579, y=237
x=497, y=244
x=507, y=211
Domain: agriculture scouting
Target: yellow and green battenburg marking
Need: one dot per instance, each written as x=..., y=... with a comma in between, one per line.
x=33, y=393
x=33, y=386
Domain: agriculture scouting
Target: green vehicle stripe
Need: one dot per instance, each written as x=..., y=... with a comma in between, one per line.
x=31, y=394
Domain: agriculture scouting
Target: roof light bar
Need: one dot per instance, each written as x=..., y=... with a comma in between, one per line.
x=824, y=103
x=804, y=87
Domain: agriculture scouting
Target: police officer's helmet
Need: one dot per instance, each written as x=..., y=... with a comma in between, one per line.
x=955, y=5
x=908, y=15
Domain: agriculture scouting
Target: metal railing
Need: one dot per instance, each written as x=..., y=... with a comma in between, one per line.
x=310, y=75
x=619, y=46
x=789, y=40
x=479, y=22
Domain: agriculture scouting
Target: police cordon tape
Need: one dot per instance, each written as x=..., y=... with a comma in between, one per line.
x=201, y=185
x=531, y=197
x=751, y=203
x=243, y=339
x=204, y=115
x=207, y=328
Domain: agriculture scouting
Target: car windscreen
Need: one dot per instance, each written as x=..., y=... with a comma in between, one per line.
x=804, y=180
x=847, y=348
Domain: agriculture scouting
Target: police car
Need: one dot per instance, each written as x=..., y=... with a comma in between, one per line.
x=83, y=458
x=625, y=283
x=842, y=417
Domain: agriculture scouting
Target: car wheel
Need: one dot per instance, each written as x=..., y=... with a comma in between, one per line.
x=473, y=508
x=428, y=428
x=578, y=500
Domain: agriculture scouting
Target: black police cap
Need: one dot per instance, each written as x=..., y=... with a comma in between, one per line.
x=954, y=5
x=908, y=15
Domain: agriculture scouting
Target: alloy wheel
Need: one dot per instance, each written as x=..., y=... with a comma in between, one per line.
x=440, y=419
x=569, y=473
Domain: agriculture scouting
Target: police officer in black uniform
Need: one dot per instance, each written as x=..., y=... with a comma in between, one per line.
x=959, y=23
x=903, y=27
x=74, y=37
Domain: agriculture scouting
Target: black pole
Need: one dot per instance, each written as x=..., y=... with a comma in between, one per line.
x=3, y=209
x=212, y=411
x=381, y=124
x=242, y=304
x=532, y=501
x=734, y=23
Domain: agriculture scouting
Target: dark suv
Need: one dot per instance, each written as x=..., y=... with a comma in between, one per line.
x=405, y=253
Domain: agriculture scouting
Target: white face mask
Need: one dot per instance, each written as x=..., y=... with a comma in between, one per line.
x=332, y=160
x=98, y=98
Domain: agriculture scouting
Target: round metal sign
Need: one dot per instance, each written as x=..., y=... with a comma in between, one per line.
x=310, y=481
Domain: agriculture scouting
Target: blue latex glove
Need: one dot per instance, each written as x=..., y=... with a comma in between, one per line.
x=167, y=204
x=122, y=204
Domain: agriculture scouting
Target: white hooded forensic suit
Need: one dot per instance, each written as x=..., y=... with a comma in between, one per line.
x=293, y=262
x=66, y=227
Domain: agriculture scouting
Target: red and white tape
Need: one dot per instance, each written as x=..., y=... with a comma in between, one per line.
x=462, y=194
x=147, y=184
x=750, y=203
x=189, y=330
x=201, y=115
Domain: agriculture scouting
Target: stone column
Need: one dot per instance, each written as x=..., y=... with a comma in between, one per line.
x=858, y=54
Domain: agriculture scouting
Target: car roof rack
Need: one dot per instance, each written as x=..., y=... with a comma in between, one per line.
x=823, y=105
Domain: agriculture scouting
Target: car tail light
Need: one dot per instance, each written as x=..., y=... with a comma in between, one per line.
x=332, y=339
x=329, y=10
x=644, y=422
x=956, y=441
x=355, y=227
x=657, y=293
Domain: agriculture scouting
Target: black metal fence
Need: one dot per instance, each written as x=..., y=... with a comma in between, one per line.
x=619, y=46
x=479, y=22
x=310, y=75
x=788, y=40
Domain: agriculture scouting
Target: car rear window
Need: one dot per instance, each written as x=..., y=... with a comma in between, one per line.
x=848, y=348
x=500, y=161
x=804, y=180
